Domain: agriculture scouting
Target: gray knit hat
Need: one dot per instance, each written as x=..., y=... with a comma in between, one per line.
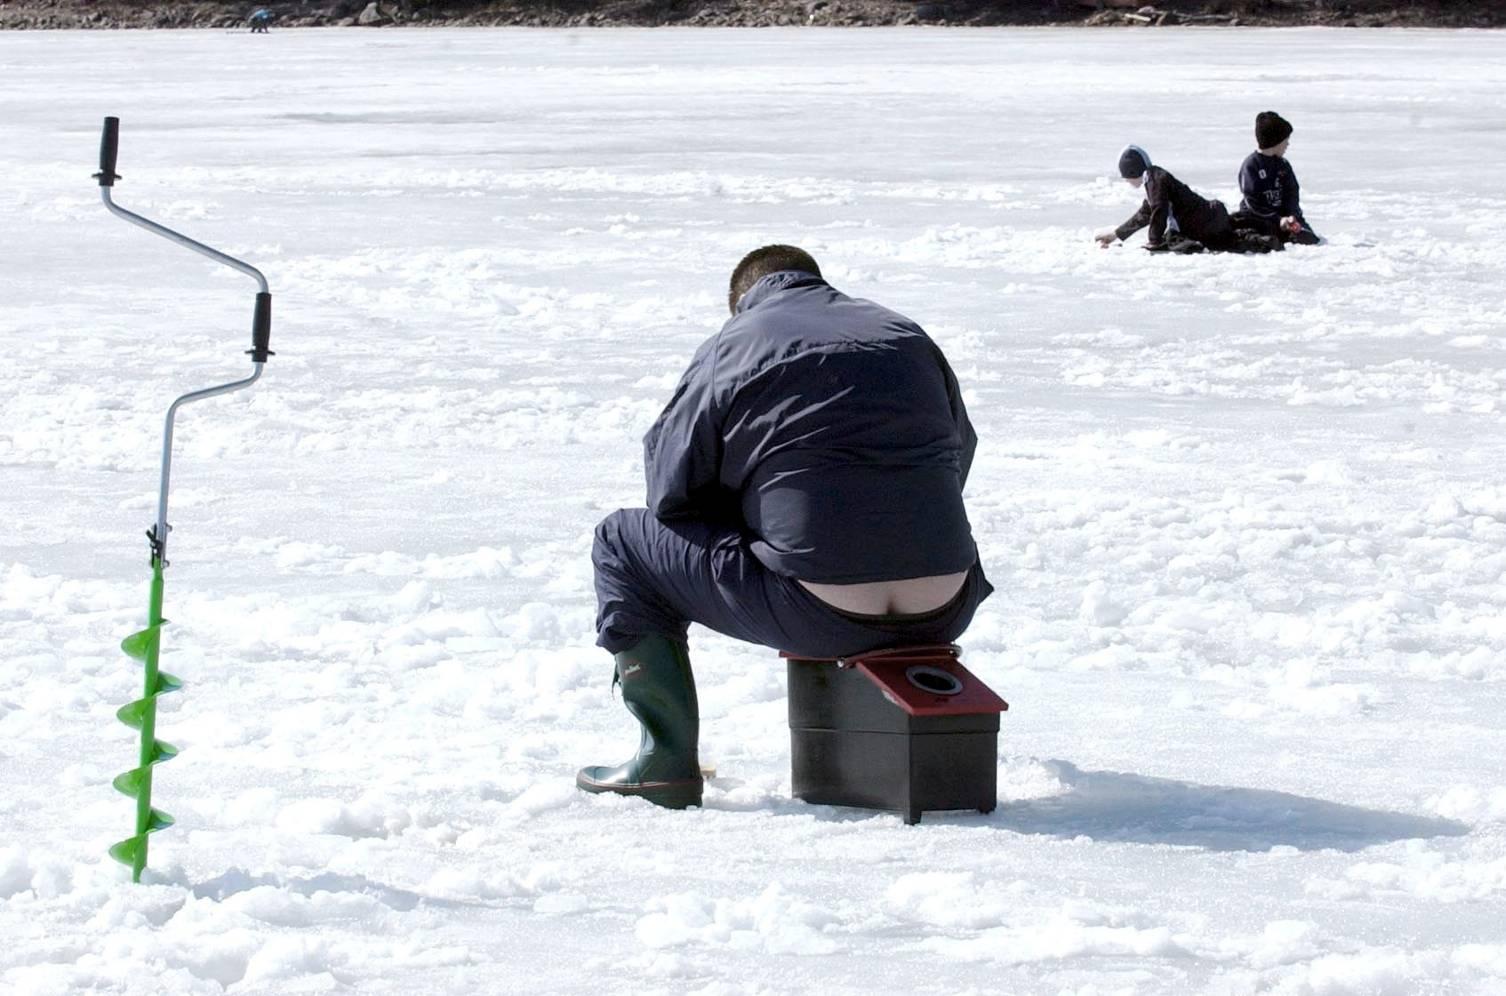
x=1133, y=162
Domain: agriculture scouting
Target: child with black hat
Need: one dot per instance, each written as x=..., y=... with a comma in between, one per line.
x=1180, y=219
x=1270, y=186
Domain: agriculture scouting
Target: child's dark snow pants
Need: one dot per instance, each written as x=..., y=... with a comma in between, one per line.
x=656, y=577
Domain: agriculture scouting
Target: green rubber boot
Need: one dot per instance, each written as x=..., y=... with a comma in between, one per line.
x=658, y=688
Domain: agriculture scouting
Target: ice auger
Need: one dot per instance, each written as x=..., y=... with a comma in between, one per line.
x=146, y=645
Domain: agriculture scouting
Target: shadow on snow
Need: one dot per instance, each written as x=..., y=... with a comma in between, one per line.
x=1124, y=808
x=1116, y=807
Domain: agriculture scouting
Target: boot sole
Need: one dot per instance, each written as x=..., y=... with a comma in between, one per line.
x=670, y=795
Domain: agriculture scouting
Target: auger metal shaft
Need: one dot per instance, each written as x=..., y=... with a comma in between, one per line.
x=160, y=530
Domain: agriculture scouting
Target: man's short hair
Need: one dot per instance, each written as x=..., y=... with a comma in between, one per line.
x=760, y=263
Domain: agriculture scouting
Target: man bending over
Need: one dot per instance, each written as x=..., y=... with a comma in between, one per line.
x=804, y=493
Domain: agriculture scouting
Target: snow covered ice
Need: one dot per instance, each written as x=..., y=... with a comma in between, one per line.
x=1245, y=515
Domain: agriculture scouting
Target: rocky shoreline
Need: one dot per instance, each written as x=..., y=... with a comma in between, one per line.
x=116, y=14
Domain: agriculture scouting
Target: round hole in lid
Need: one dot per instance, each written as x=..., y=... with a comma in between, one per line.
x=933, y=680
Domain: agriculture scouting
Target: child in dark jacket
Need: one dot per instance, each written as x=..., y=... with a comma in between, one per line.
x=1179, y=218
x=1272, y=197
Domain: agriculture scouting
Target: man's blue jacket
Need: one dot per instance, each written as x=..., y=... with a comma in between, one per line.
x=829, y=429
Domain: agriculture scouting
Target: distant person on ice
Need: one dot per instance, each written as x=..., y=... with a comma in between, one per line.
x=804, y=493
x=1180, y=219
x=1272, y=197
x=260, y=20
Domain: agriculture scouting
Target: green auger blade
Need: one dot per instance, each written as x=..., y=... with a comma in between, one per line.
x=133, y=714
x=132, y=850
x=128, y=850
x=131, y=782
x=141, y=645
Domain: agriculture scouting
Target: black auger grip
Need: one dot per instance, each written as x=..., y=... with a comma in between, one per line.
x=261, y=329
x=109, y=144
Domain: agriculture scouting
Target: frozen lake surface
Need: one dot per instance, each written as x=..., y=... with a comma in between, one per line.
x=1245, y=516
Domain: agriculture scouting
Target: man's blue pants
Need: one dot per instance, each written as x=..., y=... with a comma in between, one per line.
x=656, y=577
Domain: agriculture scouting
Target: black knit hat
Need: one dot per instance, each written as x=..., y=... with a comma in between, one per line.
x=1271, y=129
x=1133, y=162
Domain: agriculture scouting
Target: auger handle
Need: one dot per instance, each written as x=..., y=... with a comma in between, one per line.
x=261, y=329
x=109, y=144
x=261, y=321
